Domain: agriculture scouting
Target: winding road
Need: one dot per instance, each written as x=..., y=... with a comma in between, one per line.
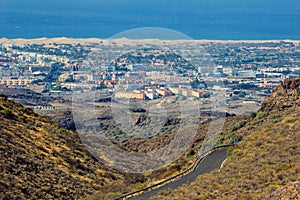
x=207, y=164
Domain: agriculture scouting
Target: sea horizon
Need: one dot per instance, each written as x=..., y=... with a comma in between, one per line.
x=198, y=19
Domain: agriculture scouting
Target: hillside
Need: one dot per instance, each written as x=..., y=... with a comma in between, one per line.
x=40, y=160
x=266, y=163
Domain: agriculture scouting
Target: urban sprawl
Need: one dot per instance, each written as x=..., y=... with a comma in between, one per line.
x=245, y=72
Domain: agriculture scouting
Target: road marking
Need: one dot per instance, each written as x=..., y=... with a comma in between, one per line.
x=223, y=163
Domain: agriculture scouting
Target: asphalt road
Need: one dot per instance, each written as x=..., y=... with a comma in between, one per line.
x=208, y=164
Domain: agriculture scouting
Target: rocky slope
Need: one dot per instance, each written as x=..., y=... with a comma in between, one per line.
x=266, y=163
x=284, y=96
x=289, y=191
x=40, y=160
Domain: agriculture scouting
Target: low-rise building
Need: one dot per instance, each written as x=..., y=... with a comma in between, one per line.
x=15, y=82
x=164, y=92
x=186, y=92
x=176, y=91
x=44, y=108
x=198, y=93
x=130, y=95
x=151, y=94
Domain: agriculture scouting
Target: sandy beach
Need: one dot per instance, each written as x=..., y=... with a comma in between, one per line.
x=64, y=40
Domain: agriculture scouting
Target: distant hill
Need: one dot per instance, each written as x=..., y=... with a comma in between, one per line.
x=266, y=163
x=155, y=60
x=40, y=160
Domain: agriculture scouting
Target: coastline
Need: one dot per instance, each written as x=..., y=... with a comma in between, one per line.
x=65, y=40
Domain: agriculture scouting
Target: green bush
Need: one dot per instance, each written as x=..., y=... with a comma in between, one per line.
x=230, y=137
x=7, y=113
x=252, y=115
x=60, y=131
x=21, y=119
x=237, y=125
x=190, y=152
x=275, y=116
x=25, y=110
x=249, y=127
x=257, y=121
x=235, y=139
x=261, y=114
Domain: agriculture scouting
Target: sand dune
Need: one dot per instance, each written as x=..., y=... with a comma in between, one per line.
x=64, y=40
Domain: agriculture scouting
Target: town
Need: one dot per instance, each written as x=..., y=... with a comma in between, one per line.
x=244, y=72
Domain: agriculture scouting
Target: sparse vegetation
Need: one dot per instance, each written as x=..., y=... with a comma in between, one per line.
x=40, y=160
x=21, y=119
x=111, y=195
x=265, y=164
x=252, y=115
x=7, y=113
x=262, y=162
x=238, y=125
x=261, y=114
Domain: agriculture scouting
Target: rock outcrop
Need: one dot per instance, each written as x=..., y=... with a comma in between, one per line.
x=286, y=95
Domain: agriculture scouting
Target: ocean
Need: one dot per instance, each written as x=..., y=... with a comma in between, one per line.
x=199, y=19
